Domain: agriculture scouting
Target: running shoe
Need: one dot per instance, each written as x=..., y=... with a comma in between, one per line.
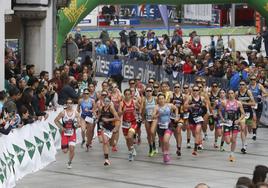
x=200, y=147
x=114, y=149
x=155, y=151
x=254, y=137
x=243, y=151
x=222, y=148
x=87, y=147
x=69, y=165
x=107, y=162
x=194, y=153
x=178, y=153
x=231, y=158
x=205, y=137
x=216, y=146
x=134, y=152
x=166, y=158
x=82, y=143
x=188, y=146
x=130, y=156
x=151, y=153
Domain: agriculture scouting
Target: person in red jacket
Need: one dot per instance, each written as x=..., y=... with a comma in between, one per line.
x=187, y=67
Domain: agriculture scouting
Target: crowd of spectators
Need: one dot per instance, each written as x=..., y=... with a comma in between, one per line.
x=175, y=54
x=28, y=95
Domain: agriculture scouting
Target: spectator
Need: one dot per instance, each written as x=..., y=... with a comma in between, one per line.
x=39, y=101
x=244, y=182
x=178, y=30
x=87, y=62
x=104, y=36
x=33, y=83
x=256, y=43
x=26, y=101
x=262, y=185
x=68, y=89
x=152, y=40
x=30, y=71
x=115, y=71
x=195, y=45
x=265, y=39
x=123, y=36
x=74, y=71
x=25, y=116
x=11, y=70
x=101, y=49
x=219, y=47
x=259, y=174
x=212, y=47
x=21, y=84
x=77, y=35
x=187, y=67
x=176, y=39
x=44, y=76
x=10, y=104
x=112, y=47
x=123, y=49
x=143, y=39
x=132, y=37
x=56, y=79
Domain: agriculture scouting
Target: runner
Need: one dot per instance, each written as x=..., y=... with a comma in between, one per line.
x=127, y=109
x=93, y=96
x=213, y=97
x=162, y=115
x=88, y=108
x=246, y=98
x=100, y=104
x=196, y=106
x=186, y=92
x=148, y=106
x=234, y=114
x=70, y=121
x=258, y=92
x=116, y=98
x=219, y=127
x=178, y=100
x=107, y=119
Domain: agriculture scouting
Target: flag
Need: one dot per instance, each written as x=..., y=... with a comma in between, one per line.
x=164, y=14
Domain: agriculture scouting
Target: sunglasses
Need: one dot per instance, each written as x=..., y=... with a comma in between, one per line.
x=176, y=86
x=185, y=87
x=103, y=94
x=151, y=82
x=86, y=93
x=242, y=84
x=156, y=86
x=148, y=90
x=196, y=90
x=132, y=83
x=253, y=79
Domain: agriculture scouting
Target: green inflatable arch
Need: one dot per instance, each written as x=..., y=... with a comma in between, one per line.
x=70, y=16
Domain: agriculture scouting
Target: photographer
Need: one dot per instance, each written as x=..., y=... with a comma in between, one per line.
x=256, y=43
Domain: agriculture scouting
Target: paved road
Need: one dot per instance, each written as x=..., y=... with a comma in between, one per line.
x=211, y=166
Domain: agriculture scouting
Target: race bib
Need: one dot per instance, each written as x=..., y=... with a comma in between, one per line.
x=163, y=125
x=173, y=116
x=68, y=132
x=186, y=115
x=198, y=119
x=126, y=125
x=247, y=115
x=108, y=133
x=149, y=118
x=227, y=123
x=89, y=120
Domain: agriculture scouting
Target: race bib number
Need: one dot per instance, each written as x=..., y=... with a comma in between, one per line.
x=227, y=123
x=126, y=125
x=163, y=125
x=247, y=115
x=173, y=116
x=89, y=120
x=108, y=133
x=185, y=115
x=68, y=132
x=198, y=119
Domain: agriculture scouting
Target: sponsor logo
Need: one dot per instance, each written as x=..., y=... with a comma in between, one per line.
x=30, y=148
x=39, y=144
x=19, y=152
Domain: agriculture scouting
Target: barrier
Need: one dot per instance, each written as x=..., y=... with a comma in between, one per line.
x=264, y=115
x=29, y=149
x=145, y=70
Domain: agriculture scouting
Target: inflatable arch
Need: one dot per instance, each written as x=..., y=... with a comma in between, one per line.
x=70, y=16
